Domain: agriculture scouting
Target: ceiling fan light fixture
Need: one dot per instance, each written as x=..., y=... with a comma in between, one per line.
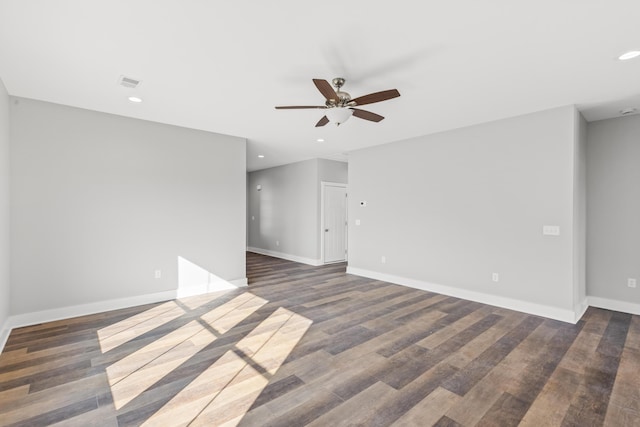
x=339, y=106
x=338, y=115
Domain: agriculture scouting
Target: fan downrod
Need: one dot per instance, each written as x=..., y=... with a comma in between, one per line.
x=338, y=82
x=343, y=97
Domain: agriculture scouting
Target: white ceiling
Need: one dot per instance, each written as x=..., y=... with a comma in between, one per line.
x=222, y=66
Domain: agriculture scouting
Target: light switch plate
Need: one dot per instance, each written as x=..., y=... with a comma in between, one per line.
x=551, y=230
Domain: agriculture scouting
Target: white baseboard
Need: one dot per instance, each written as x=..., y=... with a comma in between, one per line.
x=215, y=286
x=580, y=309
x=28, y=319
x=509, y=303
x=288, y=257
x=569, y=316
x=5, y=330
x=615, y=305
x=240, y=283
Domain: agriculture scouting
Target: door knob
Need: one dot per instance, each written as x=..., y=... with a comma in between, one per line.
x=326, y=229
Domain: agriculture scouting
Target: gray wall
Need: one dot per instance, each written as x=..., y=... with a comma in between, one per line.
x=613, y=208
x=4, y=209
x=284, y=217
x=332, y=171
x=99, y=202
x=452, y=208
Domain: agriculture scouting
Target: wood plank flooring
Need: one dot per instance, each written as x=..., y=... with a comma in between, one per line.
x=314, y=346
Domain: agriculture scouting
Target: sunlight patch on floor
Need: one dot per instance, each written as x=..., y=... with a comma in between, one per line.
x=129, y=378
x=124, y=331
x=228, y=315
x=196, y=301
x=135, y=373
x=225, y=391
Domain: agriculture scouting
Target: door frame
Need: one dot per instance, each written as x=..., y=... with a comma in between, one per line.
x=323, y=185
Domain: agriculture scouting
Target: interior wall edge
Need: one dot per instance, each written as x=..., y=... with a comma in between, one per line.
x=580, y=308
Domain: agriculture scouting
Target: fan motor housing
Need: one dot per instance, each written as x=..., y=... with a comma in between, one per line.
x=343, y=100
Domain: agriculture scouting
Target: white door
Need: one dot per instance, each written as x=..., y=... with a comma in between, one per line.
x=334, y=222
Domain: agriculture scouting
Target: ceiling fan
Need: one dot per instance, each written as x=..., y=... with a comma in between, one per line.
x=339, y=106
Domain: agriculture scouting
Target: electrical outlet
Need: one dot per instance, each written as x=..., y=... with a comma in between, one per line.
x=158, y=274
x=631, y=282
x=495, y=277
x=383, y=259
x=277, y=242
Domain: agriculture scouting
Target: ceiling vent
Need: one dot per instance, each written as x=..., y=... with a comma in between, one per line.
x=128, y=82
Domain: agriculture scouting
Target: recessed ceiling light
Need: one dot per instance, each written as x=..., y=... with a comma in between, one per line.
x=320, y=140
x=135, y=99
x=629, y=55
x=261, y=156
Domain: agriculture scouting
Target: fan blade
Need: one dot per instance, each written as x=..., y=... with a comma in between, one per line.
x=299, y=107
x=376, y=97
x=367, y=115
x=326, y=90
x=323, y=121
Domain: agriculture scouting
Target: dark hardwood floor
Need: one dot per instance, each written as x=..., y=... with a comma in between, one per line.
x=314, y=346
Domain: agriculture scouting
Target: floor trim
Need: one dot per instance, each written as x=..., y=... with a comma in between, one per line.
x=581, y=308
x=27, y=319
x=33, y=318
x=215, y=286
x=17, y=321
x=4, y=334
x=615, y=305
x=550, y=312
x=288, y=257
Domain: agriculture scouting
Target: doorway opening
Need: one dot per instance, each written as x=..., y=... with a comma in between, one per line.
x=333, y=223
